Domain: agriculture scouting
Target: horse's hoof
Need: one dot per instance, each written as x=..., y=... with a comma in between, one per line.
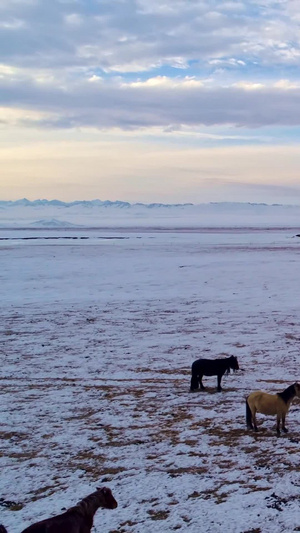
x=249, y=427
x=285, y=430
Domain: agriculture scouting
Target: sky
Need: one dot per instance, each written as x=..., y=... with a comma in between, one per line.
x=161, y=101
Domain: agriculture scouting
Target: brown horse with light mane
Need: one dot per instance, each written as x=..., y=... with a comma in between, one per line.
x=77, y=519
x=270, y=404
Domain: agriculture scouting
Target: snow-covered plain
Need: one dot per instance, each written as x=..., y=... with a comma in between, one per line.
x=98, y=337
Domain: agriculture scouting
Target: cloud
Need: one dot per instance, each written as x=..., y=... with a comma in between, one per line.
x=155, y=102
x=141, y=35
x=140, y=64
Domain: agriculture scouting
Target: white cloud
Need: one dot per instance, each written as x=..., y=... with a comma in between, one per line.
x=287, y=84
x=249, y=86
x=165, y=82
x=95, y=79
x=13, y=24
x=8, y=71
x=73, y=19
x=12, y=116
x=231, y=62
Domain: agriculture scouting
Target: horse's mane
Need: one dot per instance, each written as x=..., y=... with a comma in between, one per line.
x=288, y=393
x=88, y=505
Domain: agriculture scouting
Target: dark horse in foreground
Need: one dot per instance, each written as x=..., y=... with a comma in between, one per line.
x=77, y=519
x=270, y=404
x=211, y=367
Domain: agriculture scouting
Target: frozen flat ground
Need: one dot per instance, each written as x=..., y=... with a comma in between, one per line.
x=97, y=339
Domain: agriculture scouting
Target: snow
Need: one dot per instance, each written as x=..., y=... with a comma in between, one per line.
x=98, y=337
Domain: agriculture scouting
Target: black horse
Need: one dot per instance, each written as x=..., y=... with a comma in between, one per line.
x=77, y=519
x=211, y=367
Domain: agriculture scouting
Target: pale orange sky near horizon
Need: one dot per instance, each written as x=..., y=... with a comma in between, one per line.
x=139, y=171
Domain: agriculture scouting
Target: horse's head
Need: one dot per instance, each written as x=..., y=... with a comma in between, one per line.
x=297, y=389
x=233, y=363
x=108, y=501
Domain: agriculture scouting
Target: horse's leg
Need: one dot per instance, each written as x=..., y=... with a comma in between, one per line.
x=219, y=382
x=248, y=416
x=254, y=419
x=200, y=381
x=194, y=382
x=278, y=425
x=283, y=424
x=195, y=377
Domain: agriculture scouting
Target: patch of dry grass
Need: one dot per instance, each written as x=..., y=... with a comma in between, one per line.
x=158, y=515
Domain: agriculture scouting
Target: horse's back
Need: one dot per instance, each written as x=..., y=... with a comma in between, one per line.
x=207, y=366
x=256, y=395
x=52, y=528
x=198, y=362
x=266, y=403
x=56, y=524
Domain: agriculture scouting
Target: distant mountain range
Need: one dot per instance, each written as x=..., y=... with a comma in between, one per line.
x=126, y=205
x=97, y=213
x=84, y=203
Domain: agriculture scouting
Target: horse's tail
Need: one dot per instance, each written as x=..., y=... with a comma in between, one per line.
x=2, y=529
x=248, y=415
x=194, y=378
